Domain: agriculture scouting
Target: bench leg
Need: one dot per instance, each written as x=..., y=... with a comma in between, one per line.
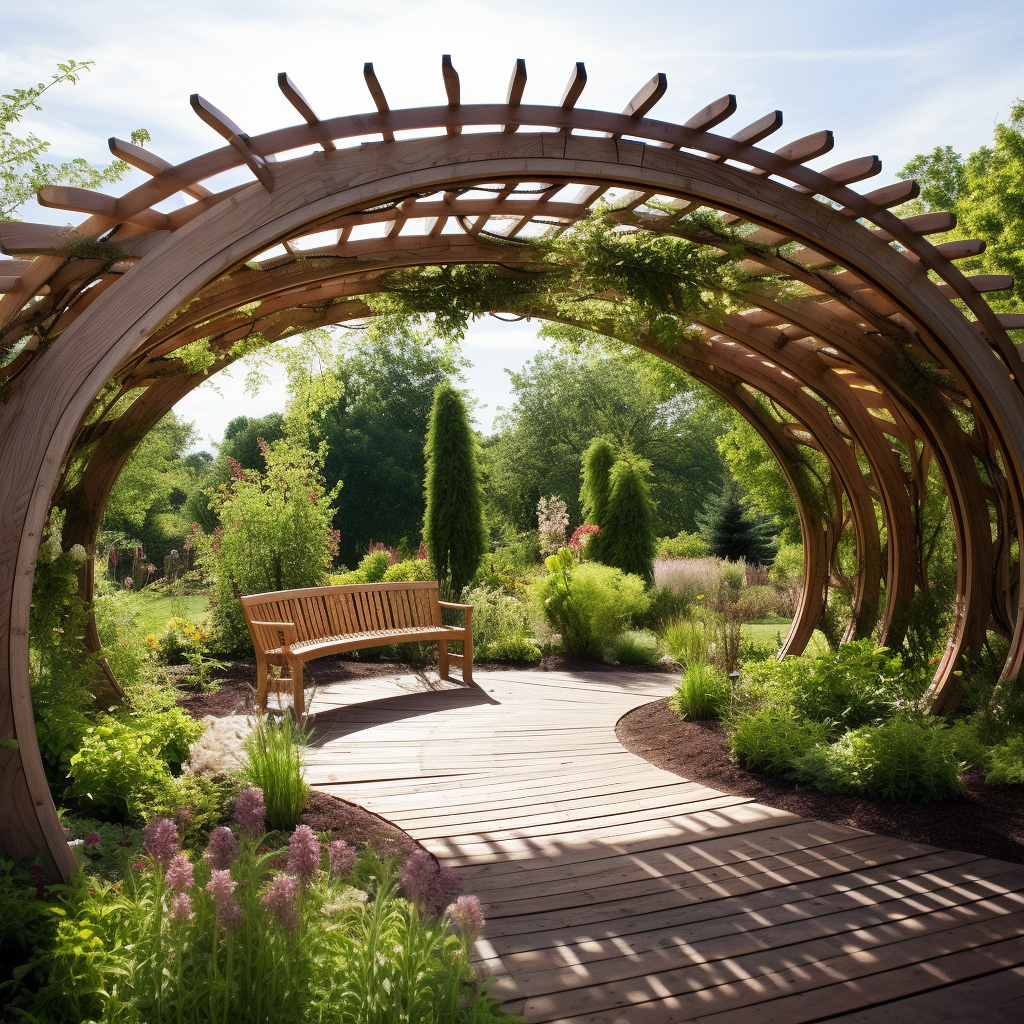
x=467, y=661
x=298, y=694
x=442, y=659
x=262, y=683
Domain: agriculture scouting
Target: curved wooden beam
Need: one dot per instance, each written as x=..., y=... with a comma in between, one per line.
x=186, y=253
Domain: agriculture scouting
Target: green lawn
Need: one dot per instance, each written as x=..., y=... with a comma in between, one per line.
x=155, y=612
x=766, y=632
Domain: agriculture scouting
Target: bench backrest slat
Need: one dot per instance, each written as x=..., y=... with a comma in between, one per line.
x=320, y=612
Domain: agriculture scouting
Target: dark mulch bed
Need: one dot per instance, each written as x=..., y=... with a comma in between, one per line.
x=235, y=691
x=988, y=820
x=358, y=827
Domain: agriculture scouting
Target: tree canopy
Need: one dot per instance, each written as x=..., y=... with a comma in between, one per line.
x=986, y=192
x=563, y=400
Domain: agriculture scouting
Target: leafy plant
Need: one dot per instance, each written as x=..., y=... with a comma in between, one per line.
x=124, y=765
x=501, y=627
x=857, y=685
x=667, y=605
x=687, y=641
x=62, y=670
x=634, y=647
x=909, y=760
x=587, y=603
x=683, y=545
x=771, y=739
x=702, y=694
x=28, y=928
x=1006, y=762
x=275, y=535
x=274, y=762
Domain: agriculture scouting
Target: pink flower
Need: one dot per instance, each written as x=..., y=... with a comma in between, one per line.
x=161, y=841
x=221, y=887
x=222, y=849
x=304, y=853
x=466, y=914
x=342, y=858
x=250, y=812
x=282, y=896
x=181, y=907
x=179, y=875
x=129, y=582
x=140, y=865
x=93, y=839
x=428, y=884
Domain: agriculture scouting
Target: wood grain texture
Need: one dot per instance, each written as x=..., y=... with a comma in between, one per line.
x=99, y=319
x=615, y=891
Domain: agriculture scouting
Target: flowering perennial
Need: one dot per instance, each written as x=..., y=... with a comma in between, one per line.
x=282, y=896
x=466, y=914
x=342, y=858
x=304, y=854
x=221, y=887
x=222, y=848
x=250, y=812
x=181, y=907
x=428, y=884
x=179, y=876
x=161, y=842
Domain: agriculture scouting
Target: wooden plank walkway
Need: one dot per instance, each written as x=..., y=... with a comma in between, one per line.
x=618, y=892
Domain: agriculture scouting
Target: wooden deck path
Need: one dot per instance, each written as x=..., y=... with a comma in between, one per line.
x=618, y=892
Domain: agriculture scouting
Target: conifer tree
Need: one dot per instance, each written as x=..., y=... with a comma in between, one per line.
x=627, y=533
x=733, y=532
x=597, y=466
x=453, y=525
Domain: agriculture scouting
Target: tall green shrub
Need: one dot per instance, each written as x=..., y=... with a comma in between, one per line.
x=453, y=525
x=587, y=604
x=627, y=539
x=275, y=534
x=597, y=466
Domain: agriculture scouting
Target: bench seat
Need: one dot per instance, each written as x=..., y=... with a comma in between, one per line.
x=291, y=627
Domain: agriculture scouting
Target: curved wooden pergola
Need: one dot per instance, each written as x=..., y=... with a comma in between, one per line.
x=887, y=362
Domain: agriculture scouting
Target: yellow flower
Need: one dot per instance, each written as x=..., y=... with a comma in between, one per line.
x=700, y=597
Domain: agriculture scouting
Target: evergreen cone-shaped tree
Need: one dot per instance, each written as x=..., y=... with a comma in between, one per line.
x=732, y=531
x=627, y=533
x=597, y=466
x=453, y=525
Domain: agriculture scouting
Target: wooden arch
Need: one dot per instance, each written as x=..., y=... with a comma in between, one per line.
x=887, y=342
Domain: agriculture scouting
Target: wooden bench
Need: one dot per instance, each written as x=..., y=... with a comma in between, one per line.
x=291, y=627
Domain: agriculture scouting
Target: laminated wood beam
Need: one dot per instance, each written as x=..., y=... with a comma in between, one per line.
x=225, y=127
x=377, y=94
x=452, y=89
x=516, y=87
x=301, y=104
x=152, y=164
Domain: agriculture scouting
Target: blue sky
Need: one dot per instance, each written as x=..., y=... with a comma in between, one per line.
x=890, y=78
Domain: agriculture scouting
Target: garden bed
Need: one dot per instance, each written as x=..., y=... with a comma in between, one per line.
x=987, y=820
x=323, y=813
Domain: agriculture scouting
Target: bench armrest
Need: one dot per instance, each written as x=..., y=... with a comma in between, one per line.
x=466, y=609
x=286, y=631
